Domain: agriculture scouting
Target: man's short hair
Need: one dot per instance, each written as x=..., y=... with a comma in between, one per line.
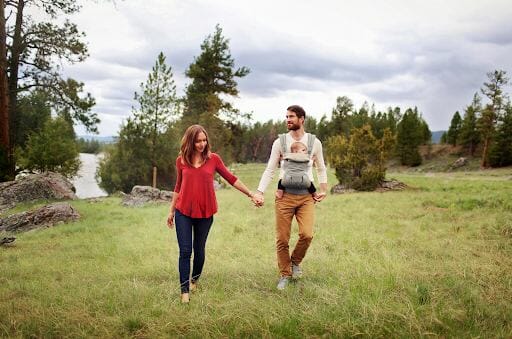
x=301, y=113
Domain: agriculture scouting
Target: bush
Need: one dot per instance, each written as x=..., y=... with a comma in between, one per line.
x=359, y=161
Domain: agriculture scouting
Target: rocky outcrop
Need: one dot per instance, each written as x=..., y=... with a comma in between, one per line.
x=46, y=216
x=141, y=195
x=47, y=185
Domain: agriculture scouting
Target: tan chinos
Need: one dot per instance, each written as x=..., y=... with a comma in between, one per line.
x=303, y=207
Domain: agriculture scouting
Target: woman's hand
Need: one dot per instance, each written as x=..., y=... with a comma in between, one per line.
x=170, y=220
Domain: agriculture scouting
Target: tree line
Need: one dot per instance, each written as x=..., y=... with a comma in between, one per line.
x=39, y=109
x=485, y=127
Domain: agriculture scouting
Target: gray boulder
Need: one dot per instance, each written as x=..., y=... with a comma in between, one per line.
x=46, y=216
x=460, y=162
x=141, y=195
x=46, y=185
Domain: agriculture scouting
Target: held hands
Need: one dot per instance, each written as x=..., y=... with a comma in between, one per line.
x=257, y=199
x=319, y=196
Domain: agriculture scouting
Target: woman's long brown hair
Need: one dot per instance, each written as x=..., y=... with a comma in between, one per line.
x=187, y=144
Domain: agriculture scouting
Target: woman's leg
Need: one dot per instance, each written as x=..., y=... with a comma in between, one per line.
x=201, y=229
x=184, y=235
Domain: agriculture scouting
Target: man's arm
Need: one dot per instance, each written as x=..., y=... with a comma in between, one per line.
x=268, y=174
x=321, y=171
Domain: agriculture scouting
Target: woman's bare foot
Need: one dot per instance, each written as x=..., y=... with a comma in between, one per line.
x=185, y=298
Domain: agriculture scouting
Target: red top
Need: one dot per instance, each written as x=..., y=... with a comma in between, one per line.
x=195, y=186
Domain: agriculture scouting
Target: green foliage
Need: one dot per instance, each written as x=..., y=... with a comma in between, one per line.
x=454, y=130
x=469, y=136
x=148, y=139
x=493, y=90
x=89, y=146
x=213, y=77
x=411, y=134
x=33, y=111
x=51, y=149
x=444, y=138
x=359, y=161
x=500, y=153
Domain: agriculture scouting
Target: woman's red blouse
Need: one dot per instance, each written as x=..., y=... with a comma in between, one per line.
x=195, y=186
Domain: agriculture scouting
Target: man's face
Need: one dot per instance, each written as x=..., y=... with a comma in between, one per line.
x=293, y=123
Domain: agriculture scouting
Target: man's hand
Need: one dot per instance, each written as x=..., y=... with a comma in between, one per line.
x=257, y=199
x=319, y=196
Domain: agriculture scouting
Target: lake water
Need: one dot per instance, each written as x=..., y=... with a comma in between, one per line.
x=85, y=183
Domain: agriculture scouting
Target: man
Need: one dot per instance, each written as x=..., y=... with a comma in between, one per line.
x=298, y=203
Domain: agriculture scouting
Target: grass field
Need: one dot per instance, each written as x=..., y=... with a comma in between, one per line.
x=433, y=260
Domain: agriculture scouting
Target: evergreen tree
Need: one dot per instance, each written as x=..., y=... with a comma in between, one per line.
x=52, y=149
x=213, y=77
x=33, y=52
x=158, y=107
x=493, y=89
x=359, y=160
x=410, y=135
x=469, y=137
x=341, y=123
x=500, y=152
x=454, y=130
x=148, y=140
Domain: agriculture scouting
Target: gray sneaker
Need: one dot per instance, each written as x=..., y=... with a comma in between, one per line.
x=283, y=282
x=296, y=271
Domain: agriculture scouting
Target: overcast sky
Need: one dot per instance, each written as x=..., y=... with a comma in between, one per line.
x=430, y=54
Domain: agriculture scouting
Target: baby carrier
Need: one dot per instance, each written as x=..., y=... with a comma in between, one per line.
x=295, y=165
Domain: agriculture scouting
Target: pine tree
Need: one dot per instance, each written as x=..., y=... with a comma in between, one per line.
x=469, y=137
x=500, y=153
x=454, y=130
x=492, y=111
x=158, y=106
x=410, y=135
x=213, y=77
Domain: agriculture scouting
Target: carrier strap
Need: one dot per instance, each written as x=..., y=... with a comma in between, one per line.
x=311, y=143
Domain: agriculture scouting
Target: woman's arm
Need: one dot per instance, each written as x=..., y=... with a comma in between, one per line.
x=175, y=194
x=172, y=208
x=239, y=185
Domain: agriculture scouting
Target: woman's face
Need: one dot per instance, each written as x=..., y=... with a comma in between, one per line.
x=200, y=142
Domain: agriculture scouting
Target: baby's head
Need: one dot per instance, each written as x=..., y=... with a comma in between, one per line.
x=299, y=147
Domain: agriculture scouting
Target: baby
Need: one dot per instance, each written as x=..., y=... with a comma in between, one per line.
x=295, y=167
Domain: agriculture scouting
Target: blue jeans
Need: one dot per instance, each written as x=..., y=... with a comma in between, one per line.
x=192, y=234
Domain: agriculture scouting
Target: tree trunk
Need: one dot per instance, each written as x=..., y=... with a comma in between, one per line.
x=5, y=144
x=154, y=176
x=12, y=81
x=484, y=163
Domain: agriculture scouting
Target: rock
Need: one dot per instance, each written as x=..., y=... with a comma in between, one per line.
x=386, y=185
x=45, y=216
x=339, y=189
x=7, y=240
x=144, y=194
x=46, y=185
x=391, y=185
x=460, y=162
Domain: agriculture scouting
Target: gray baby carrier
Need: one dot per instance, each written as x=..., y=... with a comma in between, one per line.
x=295, y=165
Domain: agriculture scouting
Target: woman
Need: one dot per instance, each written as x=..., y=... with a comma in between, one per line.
x=193, y=202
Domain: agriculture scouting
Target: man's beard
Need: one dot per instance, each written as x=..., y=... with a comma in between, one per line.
x=293, y=127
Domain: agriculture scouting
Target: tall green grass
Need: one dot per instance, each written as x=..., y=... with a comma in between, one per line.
x=433, y=260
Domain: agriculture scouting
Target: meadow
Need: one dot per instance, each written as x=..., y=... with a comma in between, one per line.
x=433, y=260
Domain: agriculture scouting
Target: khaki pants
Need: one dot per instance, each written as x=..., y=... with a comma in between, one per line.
x=303, y=207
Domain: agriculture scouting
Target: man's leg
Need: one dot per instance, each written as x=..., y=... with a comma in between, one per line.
x=305, y=215
x=285, y=209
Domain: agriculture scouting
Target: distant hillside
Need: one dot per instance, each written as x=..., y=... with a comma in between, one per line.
x=104, y=140
x=436, y=136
